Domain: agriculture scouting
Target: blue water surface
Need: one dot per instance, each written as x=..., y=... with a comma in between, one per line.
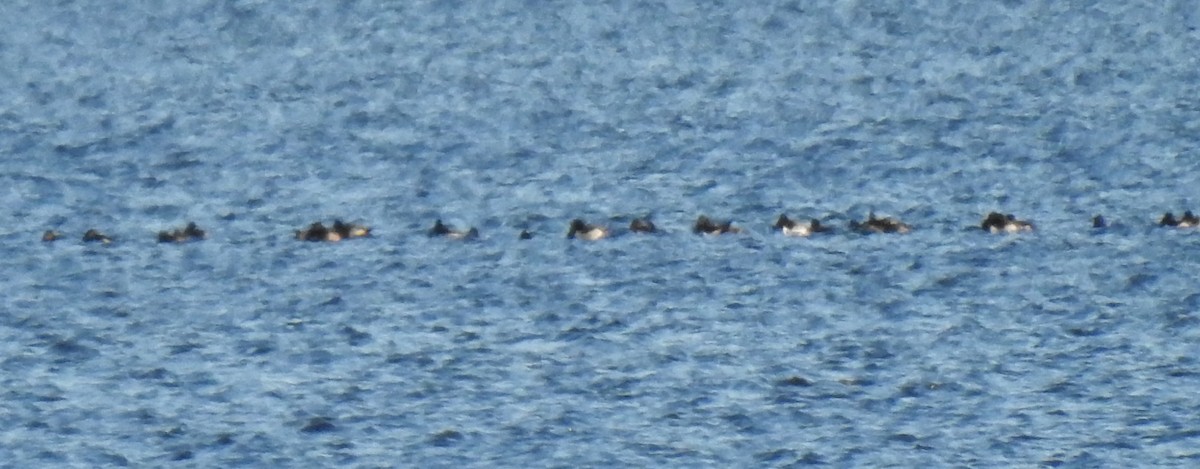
x=1066, y=347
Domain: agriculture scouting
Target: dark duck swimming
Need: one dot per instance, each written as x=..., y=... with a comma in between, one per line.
x=707, y=226
x=1189, y=220
x=880, y=225
x=996, y=222
x=642, y=225
x=444, y=231
x=191, y=232
x=339, y=231
x=95, y=236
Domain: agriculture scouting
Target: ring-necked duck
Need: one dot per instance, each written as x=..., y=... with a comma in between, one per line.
x=791, y=227
x=51, y=235
x=440, y=229
x=188, y=233
x=95, y=236
x=1001, y=223
x=642, y=225
x=705, y=225
x=582, y=230
x=880, y=225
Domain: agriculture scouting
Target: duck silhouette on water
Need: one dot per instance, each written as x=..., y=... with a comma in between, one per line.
x=191, y=232
x=580, y=229
x=442, y=230
x=340, y=230
x=996, y=222
x=880, y=225
x=706, y=226
x=642, y=225
x=95, y=236
x=1189, y=220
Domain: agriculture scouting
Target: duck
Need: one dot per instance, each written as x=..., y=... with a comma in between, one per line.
x=642, y=225
x=1098, y=222
x=1189, y=220
x=791, y=227
x=193, y=231
x=95, y=236
x=50, y=236
x=996, y=222
x=350, y=230
x=524, y=234
x=339, y=231
x=441, y=230
x=317, y=232
x=582, y=230
x=880, y=225
x=705, y=225
x=171, y=237
x=188, y=233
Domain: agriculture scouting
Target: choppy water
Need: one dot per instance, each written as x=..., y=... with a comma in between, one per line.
x=945, y=347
